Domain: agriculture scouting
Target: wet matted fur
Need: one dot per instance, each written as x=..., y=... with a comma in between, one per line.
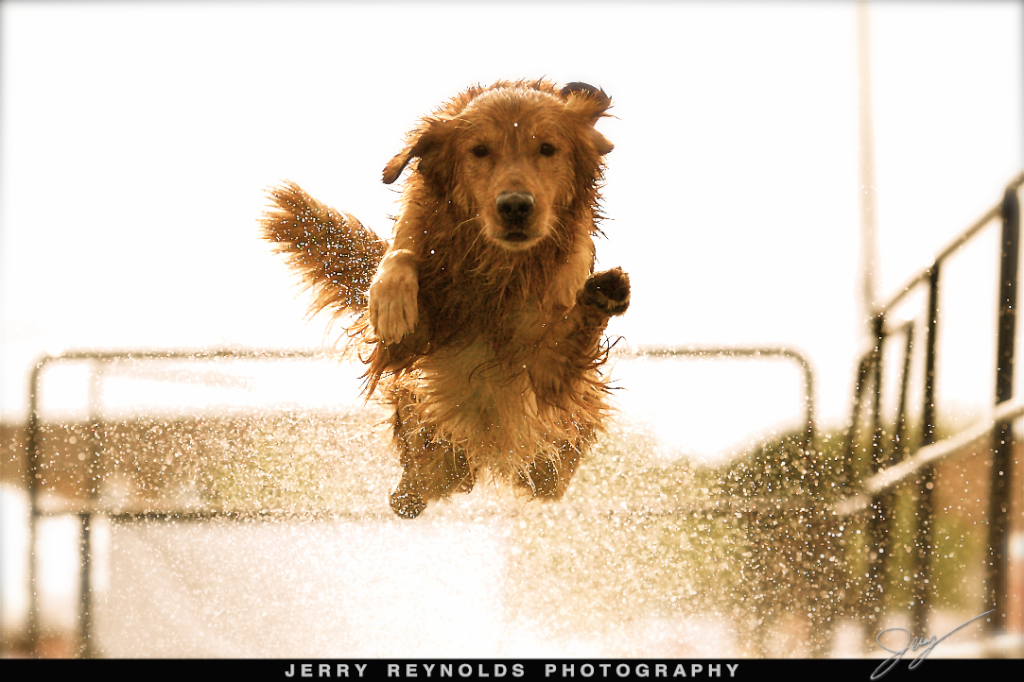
x=481, y=323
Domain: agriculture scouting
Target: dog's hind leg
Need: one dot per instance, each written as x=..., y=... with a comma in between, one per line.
x=548, y=479
x=430, y=472
x=432, y=467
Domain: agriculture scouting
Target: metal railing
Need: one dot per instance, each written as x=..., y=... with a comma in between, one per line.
x=760, y=352
x=85, y=510
x=895, y=465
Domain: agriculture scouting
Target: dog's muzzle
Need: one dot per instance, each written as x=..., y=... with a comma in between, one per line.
x=514, y=211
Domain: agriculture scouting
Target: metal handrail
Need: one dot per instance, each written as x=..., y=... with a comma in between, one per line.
x=85, y=511
x=876, y=489
x=888, y=478
x=756, y=352
x=33, y=448
x=953, y=245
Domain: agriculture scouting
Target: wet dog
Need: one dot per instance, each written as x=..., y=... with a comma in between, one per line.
x=482, y=323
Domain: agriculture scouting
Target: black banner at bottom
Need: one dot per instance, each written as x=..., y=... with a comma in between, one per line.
x=511, y=670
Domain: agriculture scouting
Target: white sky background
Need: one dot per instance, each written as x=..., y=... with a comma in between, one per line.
x=137, y=140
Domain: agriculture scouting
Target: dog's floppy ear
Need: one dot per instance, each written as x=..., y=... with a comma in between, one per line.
x=591, y=103
x=419, y=143
x=594, y=99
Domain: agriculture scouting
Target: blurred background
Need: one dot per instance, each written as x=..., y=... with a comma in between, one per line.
x=138, y=139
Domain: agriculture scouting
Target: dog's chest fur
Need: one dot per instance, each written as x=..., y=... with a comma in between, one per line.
x=485, y=386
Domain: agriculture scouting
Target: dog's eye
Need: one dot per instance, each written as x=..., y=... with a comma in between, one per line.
x=480, y=151
x=547, y=149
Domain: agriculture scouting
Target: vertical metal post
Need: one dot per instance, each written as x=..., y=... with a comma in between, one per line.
x=877, y=447
x=876, y=416
x=33, y=476
x=812, y=465
x=900, y=449
x=854, y=473
x=85, y=586
x=852, y=434
x=928, y=412
x=928, y=436
x=809, y=434
x=86, y=646
x=1002, y=460
x=877, y=522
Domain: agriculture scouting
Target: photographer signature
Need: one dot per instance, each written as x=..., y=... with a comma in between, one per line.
x=913, y=644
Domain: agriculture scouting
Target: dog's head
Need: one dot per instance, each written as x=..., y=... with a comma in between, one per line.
x=515, y=156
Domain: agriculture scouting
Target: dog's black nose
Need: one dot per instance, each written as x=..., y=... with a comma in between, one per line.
x=514, y=207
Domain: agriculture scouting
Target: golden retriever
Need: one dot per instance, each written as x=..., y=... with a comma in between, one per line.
x=481, y=323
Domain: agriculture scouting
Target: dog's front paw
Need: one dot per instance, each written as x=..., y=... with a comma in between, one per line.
x=606, y=291
x=393, y=297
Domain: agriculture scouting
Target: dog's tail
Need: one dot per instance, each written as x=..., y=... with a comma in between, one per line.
x=331, y=251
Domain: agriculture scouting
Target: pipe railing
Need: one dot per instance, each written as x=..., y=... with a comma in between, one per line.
x=84, y=514
x=874, y=492
x=85, y=510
